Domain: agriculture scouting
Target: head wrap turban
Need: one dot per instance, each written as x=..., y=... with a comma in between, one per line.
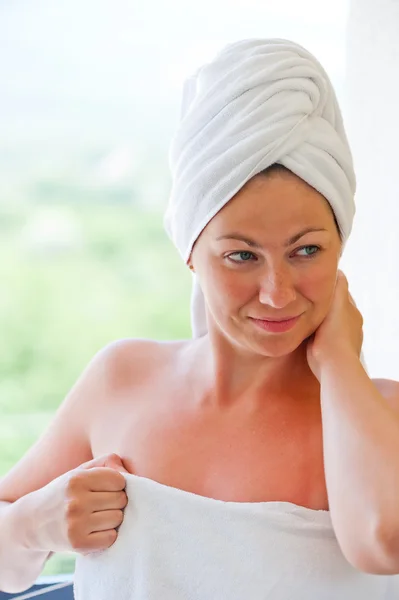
x=258, y=102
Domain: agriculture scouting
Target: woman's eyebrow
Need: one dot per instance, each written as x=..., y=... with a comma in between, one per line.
x=254, y=244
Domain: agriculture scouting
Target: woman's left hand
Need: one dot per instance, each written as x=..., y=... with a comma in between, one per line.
x=341, y=330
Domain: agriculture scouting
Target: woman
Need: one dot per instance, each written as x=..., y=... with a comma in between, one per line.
x=259, y=460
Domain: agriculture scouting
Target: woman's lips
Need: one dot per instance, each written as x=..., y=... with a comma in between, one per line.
x=276, y=326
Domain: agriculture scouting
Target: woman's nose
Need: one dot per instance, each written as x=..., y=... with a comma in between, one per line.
x=277, y=289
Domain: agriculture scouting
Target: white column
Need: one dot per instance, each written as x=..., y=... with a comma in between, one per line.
x=371, y=113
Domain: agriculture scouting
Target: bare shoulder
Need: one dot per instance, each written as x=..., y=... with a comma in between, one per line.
x=138, y=376
x=66, y=442
x=131, y=360
x=389, y=388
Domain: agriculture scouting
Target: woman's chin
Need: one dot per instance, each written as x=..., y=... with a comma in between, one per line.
x=276, y=346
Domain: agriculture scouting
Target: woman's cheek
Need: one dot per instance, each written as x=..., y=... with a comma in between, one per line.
x=232, y=288
x=229, y=290
x=319, y=282
x=317, y=287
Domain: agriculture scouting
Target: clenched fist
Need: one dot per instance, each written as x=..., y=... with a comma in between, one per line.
x=81, y=510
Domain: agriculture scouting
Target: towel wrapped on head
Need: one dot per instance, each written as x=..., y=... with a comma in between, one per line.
x=259, y=102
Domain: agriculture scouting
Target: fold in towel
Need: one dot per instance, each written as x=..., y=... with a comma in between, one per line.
x=259, y=102
x=175, y=545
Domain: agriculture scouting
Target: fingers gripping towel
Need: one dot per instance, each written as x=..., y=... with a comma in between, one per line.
x=259, y=102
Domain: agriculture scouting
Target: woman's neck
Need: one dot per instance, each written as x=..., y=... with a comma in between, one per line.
x=229, y=377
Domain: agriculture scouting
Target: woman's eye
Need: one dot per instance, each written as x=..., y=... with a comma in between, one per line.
x=243, y=256
x=313, y=250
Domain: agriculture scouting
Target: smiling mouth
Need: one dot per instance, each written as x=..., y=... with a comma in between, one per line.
x=277, y=320
x=276, y=326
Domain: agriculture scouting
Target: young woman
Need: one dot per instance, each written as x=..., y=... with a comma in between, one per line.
x=258, y=459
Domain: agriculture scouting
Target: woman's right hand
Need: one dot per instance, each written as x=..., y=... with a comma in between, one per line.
x=79, y=511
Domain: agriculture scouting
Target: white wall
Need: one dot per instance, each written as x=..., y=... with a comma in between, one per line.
x=371, y=111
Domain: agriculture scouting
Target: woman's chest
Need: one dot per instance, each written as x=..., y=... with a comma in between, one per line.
x=248, y=457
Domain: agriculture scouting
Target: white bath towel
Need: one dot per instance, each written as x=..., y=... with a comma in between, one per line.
x=259, y=102
x=175, y=545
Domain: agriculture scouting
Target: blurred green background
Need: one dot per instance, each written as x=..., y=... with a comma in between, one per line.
x=81, y=265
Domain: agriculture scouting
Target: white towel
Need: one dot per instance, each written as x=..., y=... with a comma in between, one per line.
x=259, y=102
x=175, y=545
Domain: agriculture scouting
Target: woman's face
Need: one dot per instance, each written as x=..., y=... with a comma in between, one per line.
x=255, y=260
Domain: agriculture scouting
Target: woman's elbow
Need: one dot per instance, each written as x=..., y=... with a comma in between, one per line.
x=380, y=557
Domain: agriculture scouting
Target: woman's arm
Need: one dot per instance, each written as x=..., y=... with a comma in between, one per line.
x=361, y=460
x=20, y=565
x=64, y=446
